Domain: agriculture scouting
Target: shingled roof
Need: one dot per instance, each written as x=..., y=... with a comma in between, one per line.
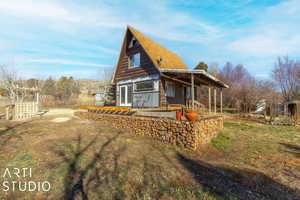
x=160, y=56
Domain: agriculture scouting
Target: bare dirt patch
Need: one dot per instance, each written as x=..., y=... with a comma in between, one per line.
x=60, y=111
x=60, y=119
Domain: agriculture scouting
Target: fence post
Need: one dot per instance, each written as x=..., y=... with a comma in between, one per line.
x=7, y=113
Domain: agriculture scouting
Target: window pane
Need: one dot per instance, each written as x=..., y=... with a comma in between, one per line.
x=131, y=61
x=129, y=94
x=135, y=60
x=123, y=90
x=188, y=92
x=170, y=89
x=147, y=85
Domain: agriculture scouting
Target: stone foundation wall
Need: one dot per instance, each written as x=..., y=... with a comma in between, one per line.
x=186, y=134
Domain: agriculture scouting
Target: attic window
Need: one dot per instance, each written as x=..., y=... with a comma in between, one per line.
x=132, y=42
x=135, y=60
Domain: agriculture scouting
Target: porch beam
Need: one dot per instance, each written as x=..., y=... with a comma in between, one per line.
x=196, y=79
x=193, y=91
x=202, y=80
x=175, y=79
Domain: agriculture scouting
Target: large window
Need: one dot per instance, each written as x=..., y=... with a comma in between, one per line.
x=135, y=60
x=170, y=89
x=146, y=85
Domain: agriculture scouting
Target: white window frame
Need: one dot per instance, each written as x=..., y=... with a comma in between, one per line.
x=129, y=60
x=170, y=89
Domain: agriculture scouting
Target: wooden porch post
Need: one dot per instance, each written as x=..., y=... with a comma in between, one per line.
x=192, y=88
x=209, y=99
x=285, y=110
x=215, y=100
x=221, y=101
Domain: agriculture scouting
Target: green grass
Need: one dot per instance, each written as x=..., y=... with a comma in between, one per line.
x=222, y=142
x=22, y=160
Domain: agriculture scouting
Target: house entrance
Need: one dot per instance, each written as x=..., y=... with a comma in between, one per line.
x=126, y=95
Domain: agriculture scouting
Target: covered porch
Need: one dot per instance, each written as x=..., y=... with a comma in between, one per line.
x=196, y=78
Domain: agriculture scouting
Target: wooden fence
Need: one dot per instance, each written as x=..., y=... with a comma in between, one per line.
x=22, y=111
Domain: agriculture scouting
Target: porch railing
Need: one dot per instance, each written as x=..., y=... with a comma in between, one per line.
x=199, y=107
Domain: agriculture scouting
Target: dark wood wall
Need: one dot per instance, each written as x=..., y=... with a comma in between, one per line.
x=124, y=72
x=162, y=94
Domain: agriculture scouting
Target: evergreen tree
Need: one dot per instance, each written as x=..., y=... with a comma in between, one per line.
x=202, y=66
x=49, y=87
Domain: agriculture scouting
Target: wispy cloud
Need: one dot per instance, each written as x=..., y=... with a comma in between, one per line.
x=167, y=23
x=275, y=33
x=65, y=62
x=31, y=8
x=78, y=34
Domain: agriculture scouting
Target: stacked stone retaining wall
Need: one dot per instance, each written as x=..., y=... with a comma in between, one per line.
x=187, y=134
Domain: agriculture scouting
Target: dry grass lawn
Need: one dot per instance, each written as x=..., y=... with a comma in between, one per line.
x=86, y=160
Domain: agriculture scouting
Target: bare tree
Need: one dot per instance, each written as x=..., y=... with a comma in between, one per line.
x=286, y=75
x=14, y=87
x=9, y=83
x=245, y=91
x=106, y=73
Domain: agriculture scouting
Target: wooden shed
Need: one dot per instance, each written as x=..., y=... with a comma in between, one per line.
x=293, y=108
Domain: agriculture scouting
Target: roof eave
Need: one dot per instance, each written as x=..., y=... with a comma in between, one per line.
x=196, y=71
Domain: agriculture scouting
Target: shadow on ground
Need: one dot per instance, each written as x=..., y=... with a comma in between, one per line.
x=102, y=170
x=244, y=184
x=98, y=172
x=107, y=174
x=292, y=149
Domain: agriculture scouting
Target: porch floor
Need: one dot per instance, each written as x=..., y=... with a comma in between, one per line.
x=167, y=114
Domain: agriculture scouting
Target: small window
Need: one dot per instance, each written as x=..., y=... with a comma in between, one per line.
x=170, y=89
x=146, y=85
x=132, y=42
x=135, y=60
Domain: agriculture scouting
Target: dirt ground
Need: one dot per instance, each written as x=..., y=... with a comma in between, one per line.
x=60, y=111
x=86, y=160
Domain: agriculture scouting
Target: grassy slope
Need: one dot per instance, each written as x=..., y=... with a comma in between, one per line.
x=246, y=161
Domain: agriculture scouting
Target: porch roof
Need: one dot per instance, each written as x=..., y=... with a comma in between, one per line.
x=201, y=77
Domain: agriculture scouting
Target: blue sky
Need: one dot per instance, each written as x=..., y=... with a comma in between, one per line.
x=41, y=38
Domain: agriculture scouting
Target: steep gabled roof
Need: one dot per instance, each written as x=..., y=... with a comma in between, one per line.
x=160, y=56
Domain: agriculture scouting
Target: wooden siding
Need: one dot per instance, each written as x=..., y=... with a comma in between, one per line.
x=162, y=95
x=124, y=72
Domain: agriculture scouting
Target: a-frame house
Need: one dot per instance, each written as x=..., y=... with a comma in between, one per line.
x=149, y=75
